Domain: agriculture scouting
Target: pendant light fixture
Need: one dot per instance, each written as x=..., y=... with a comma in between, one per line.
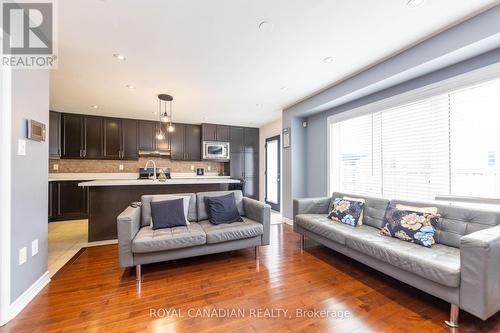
x=165, y=117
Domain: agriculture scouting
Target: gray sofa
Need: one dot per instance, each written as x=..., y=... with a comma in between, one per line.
x=139, y=244
x=462, y=268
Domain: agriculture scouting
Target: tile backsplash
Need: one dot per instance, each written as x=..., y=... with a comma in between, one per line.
x=113, y=166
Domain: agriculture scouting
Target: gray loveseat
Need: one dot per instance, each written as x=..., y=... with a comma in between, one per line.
x=462, y=268
x=139, y=244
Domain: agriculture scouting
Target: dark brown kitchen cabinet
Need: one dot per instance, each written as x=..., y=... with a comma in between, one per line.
x=185, y=143
x=237, y=139
x=147, y=135
x=120, y=138
x=130, y=139
x=54, y=135
x=213, y=132
x=112, y=138
x=72, y=136
x=251, y=140
x=67, y=200
x=163, y=143
x=93, y=137
x=244, y=163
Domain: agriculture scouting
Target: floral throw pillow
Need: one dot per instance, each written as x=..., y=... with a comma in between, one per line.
x=346, y=211
x=410, y=226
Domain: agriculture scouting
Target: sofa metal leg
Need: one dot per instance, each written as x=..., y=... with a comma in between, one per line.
x=453, y=322
x=257, y=254
x=302, y=241
x=138, y=276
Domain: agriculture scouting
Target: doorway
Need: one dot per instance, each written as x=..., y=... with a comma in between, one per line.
x=273, y=172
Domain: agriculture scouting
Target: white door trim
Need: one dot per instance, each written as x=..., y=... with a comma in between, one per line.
x=5, y=191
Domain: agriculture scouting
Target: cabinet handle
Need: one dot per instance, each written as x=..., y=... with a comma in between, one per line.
x=81, y=153
x=84, y=153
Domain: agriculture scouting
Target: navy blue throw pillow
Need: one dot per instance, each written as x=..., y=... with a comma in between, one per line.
x=168, y=214
x=222, y=209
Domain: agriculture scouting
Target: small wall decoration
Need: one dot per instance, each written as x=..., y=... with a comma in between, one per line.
x=286, y=137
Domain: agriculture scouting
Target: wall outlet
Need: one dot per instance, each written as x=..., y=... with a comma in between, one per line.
x=208, y=168
x=120, y=167
x=55, y=167
x=22, y=256
x=192, y=167
x=21, y=147
x=34, y=247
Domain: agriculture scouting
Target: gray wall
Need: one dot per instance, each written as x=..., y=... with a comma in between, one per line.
x=317, y=129
x=467, y=46
x=30, y=100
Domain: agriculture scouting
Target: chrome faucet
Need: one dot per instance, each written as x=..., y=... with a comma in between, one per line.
x=154, y=168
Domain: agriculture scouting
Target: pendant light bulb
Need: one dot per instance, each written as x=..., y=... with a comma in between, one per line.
x=159, y=136
x=165, y=118
x=170, y=128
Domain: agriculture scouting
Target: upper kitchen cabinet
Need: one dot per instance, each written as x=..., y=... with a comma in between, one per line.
x=130, y=139
x=237, y=139
x=193, y=143
x=147, y=135
x=251, y=140
x=72, y=136
x=120, y=138
x=54, y=135
x=112, y=138
x=185, y=143
x=93, y=137
x=213, y=132
x=163, y=143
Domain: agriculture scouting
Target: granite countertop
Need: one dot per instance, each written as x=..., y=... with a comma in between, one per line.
x=125, y=176
x=174, y=181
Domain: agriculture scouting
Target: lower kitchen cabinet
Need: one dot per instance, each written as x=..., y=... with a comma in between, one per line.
x=67, y=200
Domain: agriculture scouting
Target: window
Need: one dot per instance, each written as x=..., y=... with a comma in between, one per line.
x=443, y=145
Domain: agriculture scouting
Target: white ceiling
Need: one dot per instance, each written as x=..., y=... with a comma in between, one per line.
x=217, y=63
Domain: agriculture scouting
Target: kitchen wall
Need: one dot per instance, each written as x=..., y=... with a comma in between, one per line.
x=266, y=131
x=113, y=166
x=29, y=186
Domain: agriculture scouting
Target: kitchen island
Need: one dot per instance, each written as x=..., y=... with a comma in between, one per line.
x=108, y=198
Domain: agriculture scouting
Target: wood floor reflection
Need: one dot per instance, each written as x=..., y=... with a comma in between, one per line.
x=288, y=290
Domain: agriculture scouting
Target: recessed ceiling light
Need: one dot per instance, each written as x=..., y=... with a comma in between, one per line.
x=94, y=106
x=130, y=86
x=258, y=105
x=266, y=26
x=414, y=3
x=328, y=60
x=284, y=88
x=120, y=57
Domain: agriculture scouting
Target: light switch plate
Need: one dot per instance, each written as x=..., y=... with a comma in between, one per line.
x=208, y=168
x=55, y=167
x=21, y=147
x=121, y=167
x=22, y=256
x=34, y=247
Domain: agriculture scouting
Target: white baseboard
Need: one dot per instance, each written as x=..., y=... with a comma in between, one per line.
x=20, y=303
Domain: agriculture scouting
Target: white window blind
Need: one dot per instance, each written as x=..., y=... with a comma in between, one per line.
x=443, y=145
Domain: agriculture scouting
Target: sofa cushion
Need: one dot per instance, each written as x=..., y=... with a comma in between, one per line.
x=456, y=222
x=169, y=213
x=440, y=263
x=410, y=226
x=222, y=209
x=219, y=233
x=346, y=211
x=149, y=240
x=200, y=200
x=373, y=212
x=320, y=224
x=146, y=206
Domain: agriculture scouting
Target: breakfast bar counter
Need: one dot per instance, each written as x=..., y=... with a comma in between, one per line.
x=108, y=198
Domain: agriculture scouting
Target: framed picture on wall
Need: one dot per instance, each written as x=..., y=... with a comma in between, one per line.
x=286, y=137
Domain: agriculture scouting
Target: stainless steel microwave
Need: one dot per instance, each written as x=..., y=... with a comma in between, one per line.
x=213, y=150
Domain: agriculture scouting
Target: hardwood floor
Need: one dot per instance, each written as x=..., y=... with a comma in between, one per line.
x=93, y=293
